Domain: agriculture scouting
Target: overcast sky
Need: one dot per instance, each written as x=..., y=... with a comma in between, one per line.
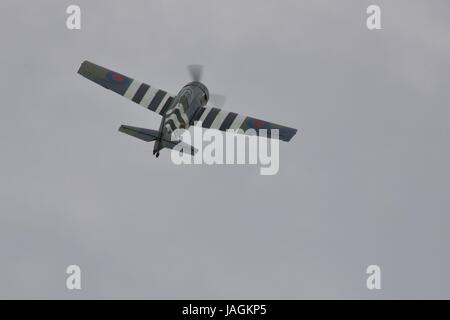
x=365, y=181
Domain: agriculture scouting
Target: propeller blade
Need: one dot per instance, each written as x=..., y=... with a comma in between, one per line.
x=196, y=72
x=217, y=99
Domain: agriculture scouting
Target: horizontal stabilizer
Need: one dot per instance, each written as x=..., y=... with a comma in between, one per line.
x=140, y=133
x=179, y=146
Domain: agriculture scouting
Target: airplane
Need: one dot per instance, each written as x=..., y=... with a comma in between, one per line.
x=189, y=107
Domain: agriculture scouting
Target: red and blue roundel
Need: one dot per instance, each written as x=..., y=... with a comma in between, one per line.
x=116, y=77
x=256, y=123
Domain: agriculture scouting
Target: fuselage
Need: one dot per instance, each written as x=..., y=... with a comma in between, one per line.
x=188, y=101
x=182, y=110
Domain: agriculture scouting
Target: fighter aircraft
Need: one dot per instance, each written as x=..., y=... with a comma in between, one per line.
x=189, y=107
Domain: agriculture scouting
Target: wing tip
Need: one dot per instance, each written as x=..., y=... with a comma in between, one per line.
x=287, y=134
x=84, y=68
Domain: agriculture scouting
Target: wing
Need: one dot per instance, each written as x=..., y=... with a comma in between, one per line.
x=149, y=97
x=223, y=120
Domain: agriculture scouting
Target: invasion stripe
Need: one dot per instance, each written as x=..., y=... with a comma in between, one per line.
x=197, y=115
x=179, y=106
x=166, y=105
x=210, y=118
x=228, y=121
x=182, y=115
x=175, y=116
x=163, y=102
x=148, y=97
x=171, y=123
x=131, y=91
x=174, y=119
x=202, y=118
x=140, y=92
x=172, y=112
x=219, y=119
x=237, y=122
x=157, y=100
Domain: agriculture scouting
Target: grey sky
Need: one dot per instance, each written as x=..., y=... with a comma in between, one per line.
x=365, y=181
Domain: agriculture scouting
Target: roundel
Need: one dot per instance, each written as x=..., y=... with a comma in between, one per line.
x=257, y=123
x=117, y=77
x=114, y=76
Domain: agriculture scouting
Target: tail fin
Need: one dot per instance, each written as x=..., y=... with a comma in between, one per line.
x=153, y=135
x=140, y=133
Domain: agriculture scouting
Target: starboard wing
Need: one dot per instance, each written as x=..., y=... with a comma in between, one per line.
x=220, y=119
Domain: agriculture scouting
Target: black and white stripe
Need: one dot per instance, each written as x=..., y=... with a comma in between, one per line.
x=197, y=115
x=166, y=106
x=176, y=117
x=212, y=114
x=179, y=112
x=166, y=98
x=142, y=90
x=132, y=89
x=149, y=97
x=218, y=119
x=226, y=124
x=170, y=125
x=157, y=100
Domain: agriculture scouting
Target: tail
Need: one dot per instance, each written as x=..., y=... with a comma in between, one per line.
x=140, y=133
x=153, y=135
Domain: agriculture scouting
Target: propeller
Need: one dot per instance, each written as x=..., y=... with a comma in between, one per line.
x=217, y=99
x=196, y=73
